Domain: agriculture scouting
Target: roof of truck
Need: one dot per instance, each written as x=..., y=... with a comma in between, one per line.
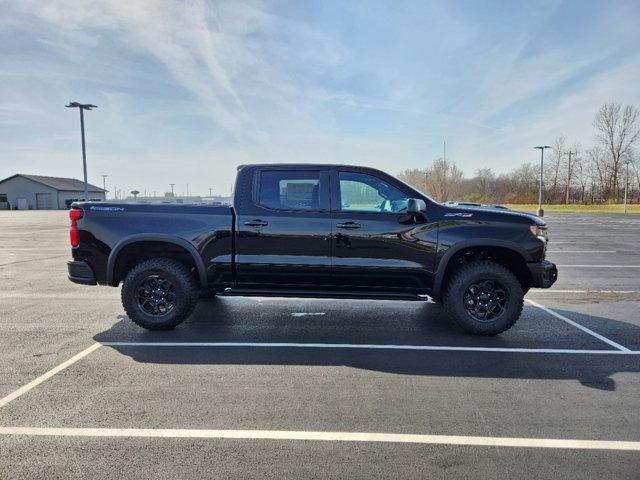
x=298, y=165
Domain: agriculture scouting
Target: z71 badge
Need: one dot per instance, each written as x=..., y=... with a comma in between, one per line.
x=460, y=214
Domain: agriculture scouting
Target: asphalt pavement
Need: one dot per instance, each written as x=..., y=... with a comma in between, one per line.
x=290, y=388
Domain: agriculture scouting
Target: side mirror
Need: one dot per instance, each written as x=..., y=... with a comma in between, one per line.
x=416, y=205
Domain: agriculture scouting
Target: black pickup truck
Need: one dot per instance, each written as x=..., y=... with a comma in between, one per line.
x=312, y=231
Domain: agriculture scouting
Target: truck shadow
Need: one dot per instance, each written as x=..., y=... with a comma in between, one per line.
x=384, y=322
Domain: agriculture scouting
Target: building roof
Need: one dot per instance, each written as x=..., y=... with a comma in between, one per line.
x=58, y=183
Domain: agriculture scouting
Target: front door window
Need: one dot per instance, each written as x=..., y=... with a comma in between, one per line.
x=360, y=192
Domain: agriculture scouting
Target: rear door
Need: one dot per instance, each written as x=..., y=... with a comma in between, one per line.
x=284, y=229
x=376, y=244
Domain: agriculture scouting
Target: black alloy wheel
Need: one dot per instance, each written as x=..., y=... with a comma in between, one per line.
x=159, y=293
x=486, y=300
x=483, y=297
x=156, y=295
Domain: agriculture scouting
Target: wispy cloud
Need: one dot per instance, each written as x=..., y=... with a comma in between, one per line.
x=175, y=33
x=207, y=85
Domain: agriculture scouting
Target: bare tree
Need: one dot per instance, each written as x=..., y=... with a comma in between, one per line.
x=442, y=180
x=635, y=165
x=415, y=177
x=582, y=176
x=618, y=130
x=553, y=168
x=599, y=173
x=483, y=184
x=592, y=176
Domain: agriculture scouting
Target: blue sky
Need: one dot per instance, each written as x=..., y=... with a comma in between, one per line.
x=189, y=90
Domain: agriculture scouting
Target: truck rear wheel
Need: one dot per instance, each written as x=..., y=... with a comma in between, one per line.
x=159, y=294
x=484, y=298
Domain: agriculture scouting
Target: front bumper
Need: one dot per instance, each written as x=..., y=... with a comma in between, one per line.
x=543, y=274
x=81, y=272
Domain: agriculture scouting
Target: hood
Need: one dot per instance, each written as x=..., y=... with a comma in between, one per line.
x=490, y=213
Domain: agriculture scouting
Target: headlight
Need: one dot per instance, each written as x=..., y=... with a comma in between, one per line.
x=539, y=231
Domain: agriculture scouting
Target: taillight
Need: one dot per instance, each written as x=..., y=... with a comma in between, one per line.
x=75, y=214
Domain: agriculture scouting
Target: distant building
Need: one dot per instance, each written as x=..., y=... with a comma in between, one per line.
x=191, y=199
x=35, y=192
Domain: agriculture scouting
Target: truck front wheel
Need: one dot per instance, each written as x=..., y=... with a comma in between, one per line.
x=484, y=298
x=158, y=294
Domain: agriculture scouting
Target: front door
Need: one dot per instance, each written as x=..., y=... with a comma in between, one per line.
x=377, y=245
x=283, y=233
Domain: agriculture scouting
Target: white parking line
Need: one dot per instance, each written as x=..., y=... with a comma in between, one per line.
x=598, y=266
x=582, y=251
x=107, y=295
x=34, y=383
x=376, y=346
x=582, y=291
x=577, y=325
x=296, y=435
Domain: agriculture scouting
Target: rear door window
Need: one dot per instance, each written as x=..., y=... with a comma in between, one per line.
x=290, y=189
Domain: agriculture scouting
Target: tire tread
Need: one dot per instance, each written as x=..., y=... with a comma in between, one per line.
x=173, y=267
x=459, y=278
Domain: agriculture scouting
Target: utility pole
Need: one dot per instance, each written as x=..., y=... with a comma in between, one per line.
x=210, y=194
x=104, y=185
x=568, y=187
x=172, y=184
x=444, y=150
x=187, y=189
x=626, y=186
x=83, y=107
x=541, y=148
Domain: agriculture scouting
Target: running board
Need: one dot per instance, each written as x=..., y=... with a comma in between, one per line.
x=250, y=292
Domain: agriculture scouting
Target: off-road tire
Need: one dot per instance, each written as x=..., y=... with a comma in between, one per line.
x=184, y=286
x=472, y=273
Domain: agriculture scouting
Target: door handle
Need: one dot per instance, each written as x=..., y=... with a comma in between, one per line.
x=256, y=222
x=348, y=225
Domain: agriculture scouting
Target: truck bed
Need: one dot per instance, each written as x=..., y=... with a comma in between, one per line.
x=107, y=227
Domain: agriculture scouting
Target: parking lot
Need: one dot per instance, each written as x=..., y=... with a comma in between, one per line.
x=290, y=388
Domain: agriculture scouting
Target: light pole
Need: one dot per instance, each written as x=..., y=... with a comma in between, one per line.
x=568, y=189
x=82, y=107
x=104, y=185
x=172, y=184
x=541, y=148
x=626, y=186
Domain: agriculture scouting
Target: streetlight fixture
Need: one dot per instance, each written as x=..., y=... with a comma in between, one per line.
x=82, y=107
x=541, y=148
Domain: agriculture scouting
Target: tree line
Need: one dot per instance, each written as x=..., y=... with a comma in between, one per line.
x=571, y=174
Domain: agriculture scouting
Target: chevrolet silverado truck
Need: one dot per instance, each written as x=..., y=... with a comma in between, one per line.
x=312, y=231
